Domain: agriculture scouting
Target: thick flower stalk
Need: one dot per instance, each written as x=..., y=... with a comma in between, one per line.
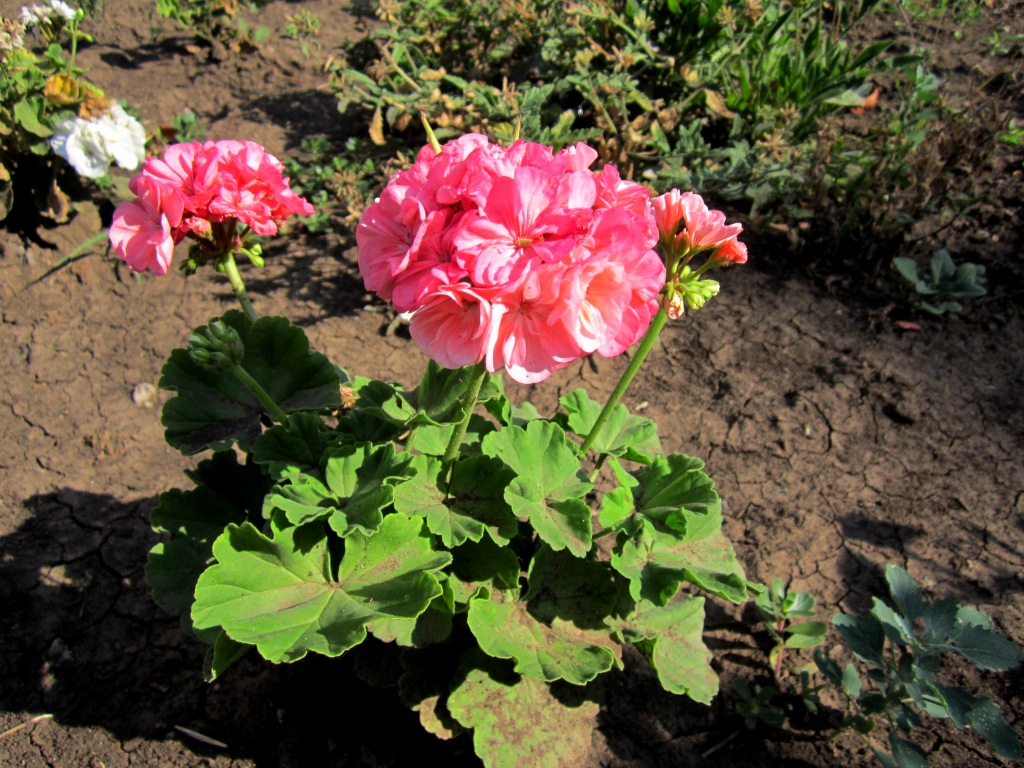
x=686, y=227
x=519, y=258
x=203, y=192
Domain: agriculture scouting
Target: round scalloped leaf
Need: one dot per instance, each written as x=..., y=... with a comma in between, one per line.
x=549, y=487
x=623, y=434
x=292, y=448
x=522, y=723
x=226, y=492
x=303, y=499
x=383, y=400
x=558, y=631
x=465, y=508
x=674, y=534
x=656, y=563
x=441, y=394
x=362, y=478
x=482, y=565
x=278, y=594
x=213, y=409
x=674, y=492
x=675, y=647
x=432, y=626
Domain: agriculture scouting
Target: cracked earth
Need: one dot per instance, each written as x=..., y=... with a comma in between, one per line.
x=838, y=442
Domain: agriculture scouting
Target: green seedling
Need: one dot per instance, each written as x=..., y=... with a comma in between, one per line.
x=946, y=286
x=900, y=649
x=783, y=612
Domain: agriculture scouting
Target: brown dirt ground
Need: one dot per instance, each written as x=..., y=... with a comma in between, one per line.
x=838, y=441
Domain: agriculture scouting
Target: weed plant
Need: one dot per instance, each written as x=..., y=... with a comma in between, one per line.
x=749, y=101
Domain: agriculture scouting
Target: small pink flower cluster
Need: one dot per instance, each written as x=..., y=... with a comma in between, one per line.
x=687, y=224
x=517, y=256
x=200, y=191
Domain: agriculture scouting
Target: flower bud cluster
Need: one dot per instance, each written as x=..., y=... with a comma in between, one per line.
x=686, y=227
x=216, y=347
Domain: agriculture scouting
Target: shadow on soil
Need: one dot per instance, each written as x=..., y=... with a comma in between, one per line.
x=83, y=640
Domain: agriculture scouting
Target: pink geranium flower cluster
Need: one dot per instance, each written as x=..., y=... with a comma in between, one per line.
x=515, y=256
x=201, y=191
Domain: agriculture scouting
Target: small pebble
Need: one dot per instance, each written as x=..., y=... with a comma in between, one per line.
x=144, y=395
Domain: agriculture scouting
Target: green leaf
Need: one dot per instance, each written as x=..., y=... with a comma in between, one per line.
x=906, y=753
x=433, y=441
x=365, y=427
x=483, y=565
x=616, y=506
x=984, y=647
x=557, y=630
x=907, y=268
x=896, y=628
x=213, y=409
x=851, y=681
x=293, y=448
x=432, y=626
x=522, y=722
x=673, y=492
x=675, y=647
x=225, y=493
x=442, y=392
x=622, y=431
x=828, y=667
x=549, y=487
x=362, y=478
x=384, y=401
x=471, y=505
x=29, y=114
x=278, y=594
x=807, y=634
x=984, y=718
x=939, y=618
x=905, y=592
x=222, y=654
x=864, y=636
x=303, y=499
x=656, y=564
x=675, y=534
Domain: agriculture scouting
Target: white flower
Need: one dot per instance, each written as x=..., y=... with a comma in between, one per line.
x=124, y=138
x=37, y=14
x=34, y=14
x=60, y=8
x=90, y=146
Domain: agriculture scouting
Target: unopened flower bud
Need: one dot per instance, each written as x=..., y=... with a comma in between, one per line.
x=254, y=253
x=675, y=305
x=697, y=293
x=217, y=346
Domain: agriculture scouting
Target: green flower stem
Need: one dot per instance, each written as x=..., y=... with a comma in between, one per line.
x=646, y=343
x=476, y=381
x=261, y=394
x=228, y=266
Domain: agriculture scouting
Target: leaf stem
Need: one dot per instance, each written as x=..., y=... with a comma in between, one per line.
x=646, y=343
x=261, y=394
x=476, y=381
x=228, y=266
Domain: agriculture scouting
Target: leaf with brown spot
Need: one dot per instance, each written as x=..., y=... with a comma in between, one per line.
x=519, y=722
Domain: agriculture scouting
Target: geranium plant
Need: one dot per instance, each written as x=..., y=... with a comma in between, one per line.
x=442, y=524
